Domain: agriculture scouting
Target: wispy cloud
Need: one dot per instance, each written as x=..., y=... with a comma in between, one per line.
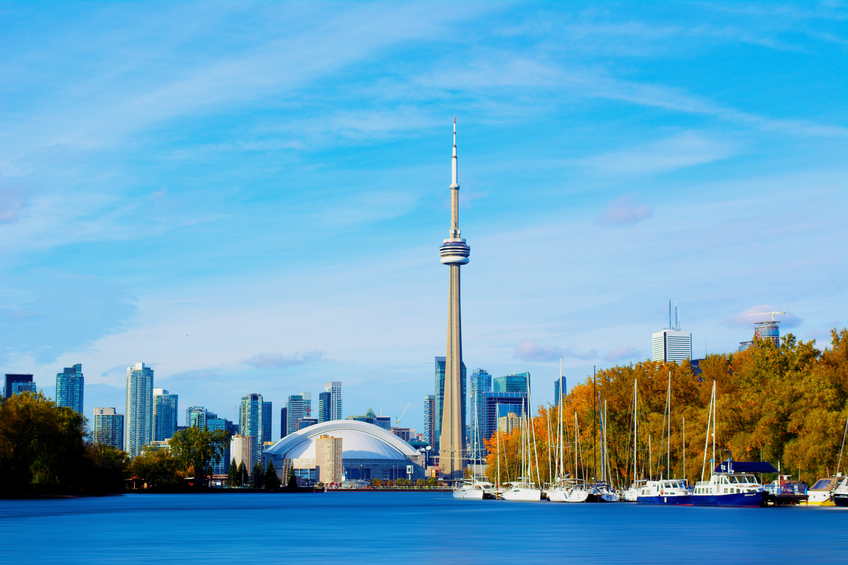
x=622, y=354
x=13, y=203
x=624, y=211
x=529, y=350
x=280, y=360
x=684, y=150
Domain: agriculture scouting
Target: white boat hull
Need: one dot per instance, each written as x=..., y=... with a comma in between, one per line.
x=523, y=495
x=468, y=494
x=562, y=495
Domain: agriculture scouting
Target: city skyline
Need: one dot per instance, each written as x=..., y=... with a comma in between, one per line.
x=271, y=231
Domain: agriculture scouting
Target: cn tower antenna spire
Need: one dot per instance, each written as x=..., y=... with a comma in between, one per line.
x=454, y=182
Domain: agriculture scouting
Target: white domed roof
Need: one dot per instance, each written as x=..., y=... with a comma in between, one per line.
x=360, y=440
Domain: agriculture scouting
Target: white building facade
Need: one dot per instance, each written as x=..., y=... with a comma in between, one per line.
x=671, y=345
x=139, y=408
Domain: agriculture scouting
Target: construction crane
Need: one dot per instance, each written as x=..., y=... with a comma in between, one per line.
x=397, y=422
x=232, y=413
x=772, y=314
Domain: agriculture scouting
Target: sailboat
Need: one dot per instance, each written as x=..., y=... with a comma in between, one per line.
x=568, y=489
x=523, y=489
x=725, y=488
x=473, y=488
x=668, y=490
x=632, y=493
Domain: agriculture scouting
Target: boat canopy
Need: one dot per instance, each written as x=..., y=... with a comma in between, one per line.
x=745, y=467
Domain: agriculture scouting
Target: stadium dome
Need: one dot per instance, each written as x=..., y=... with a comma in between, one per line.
x=368, y=451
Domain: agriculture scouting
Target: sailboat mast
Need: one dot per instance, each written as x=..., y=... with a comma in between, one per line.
x=668, y=443
x=684, y=447
x=635, y=419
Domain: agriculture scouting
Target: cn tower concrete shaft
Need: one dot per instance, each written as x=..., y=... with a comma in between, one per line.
x=454, y=252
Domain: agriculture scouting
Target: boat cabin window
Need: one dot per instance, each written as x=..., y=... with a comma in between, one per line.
x=822, y=484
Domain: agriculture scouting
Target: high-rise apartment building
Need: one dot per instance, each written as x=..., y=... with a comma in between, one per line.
x=298, y=406
x=481, y=382
x=324, y=406
x=284, y=422
x=139, y=408
x=18, y=383
x=563, y=384
x=255, y=420
x=213, y=423
x=197, y=416
x=335, y=390
x=440, y=396
x=243, y=450
x=164, y=414
x=328, y=459
x=267, y=423
x=109, y=427
x=430, y=418
x=70, y=385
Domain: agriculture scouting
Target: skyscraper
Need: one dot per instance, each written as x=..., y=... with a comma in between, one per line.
x=298, y=406
x=335, y=390
x=139, y=408
x=284, y=422
x=557, y=394
x=18, y=383
x=324, y=406
x=254, y=422
x=481, y=382
x=500, y=404
x=70, y=388
x=516, y=382
x=439, y=400
x=164, y=414
x=430, y=418
x=671, y=344
x=197, y=417
x=109, y=427
x=454, y=252
x=267, y=422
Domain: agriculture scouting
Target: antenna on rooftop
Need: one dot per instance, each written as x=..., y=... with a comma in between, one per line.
x=676, y=317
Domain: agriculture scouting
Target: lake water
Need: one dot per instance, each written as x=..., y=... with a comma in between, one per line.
x=414, y=527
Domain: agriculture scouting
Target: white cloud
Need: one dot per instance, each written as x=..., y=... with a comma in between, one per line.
x=762, y=313
x=280, y=360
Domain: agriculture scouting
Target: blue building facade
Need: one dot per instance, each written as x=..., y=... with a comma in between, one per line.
x=70, y=388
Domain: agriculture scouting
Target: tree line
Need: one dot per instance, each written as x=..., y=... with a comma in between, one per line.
x=47, y=449
x=784, y=404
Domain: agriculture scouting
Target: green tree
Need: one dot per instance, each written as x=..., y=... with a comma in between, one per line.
x=257, y=476
x=421, y=483
x=107, y=469
x=157, y=468
x=42, y=446
x=232, y=475
x=272, y=481
x=242, y=476
x=291, y=484
x=376, y=483
x=200, y=450
x=431, y=482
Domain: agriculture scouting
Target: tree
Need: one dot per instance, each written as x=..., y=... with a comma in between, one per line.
x=291, y=484
x=376, y=483
x=200, y=449
x=242, y=475
x=42, y=446
x=431, y=482
x=232, y=475
x=257, y=476
x=421, y=483
x=107, y=467
x=157, y=468
x=272, y=481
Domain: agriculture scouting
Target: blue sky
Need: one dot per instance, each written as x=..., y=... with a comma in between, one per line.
x=250, y=197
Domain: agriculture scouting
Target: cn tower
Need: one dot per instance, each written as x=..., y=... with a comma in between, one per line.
x=454, y=253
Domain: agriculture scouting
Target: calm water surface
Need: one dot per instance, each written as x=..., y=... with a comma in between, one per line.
x=396, y=527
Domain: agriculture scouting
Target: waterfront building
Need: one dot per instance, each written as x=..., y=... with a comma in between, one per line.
x=329, y=459
x=164, y=414
x=441, y=364
x=139, y=408
x=70, y=388
x=306, y=422
x=368, y=451
x=283, y=422
x=499, y=404
x=255, y=420
x=298, y=406
x=109, y=427
x=16, y=383
x=481, y=382
x=430, y=418
x=516, y=382
x=243, y=449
